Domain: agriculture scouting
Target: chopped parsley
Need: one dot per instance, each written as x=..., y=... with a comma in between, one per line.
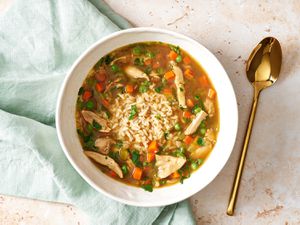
x=96, y=125
x=147, y=187
x=144, y=87
x=133, y=112
x=175, y=49
x=135, y=156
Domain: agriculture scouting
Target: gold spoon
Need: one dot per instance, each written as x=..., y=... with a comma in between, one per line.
x=263, y=67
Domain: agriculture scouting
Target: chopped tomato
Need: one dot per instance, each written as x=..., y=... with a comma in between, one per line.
x=112, y=173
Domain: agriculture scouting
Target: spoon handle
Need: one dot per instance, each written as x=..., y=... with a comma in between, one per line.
x=238, y=175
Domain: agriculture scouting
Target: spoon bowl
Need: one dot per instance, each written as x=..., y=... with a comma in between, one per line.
x=264, y=63
x=263, y=68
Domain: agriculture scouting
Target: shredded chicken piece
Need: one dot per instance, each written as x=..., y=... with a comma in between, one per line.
x=91, y=116
x=179, y=82
x=106, y=161
x=103, y=145
x=166, y=165
x=134, y=72
x=121, y=59
x=209, y=106
x=195, y=123
x=201, y=152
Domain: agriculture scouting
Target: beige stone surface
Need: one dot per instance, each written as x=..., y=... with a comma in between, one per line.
x=270, y=189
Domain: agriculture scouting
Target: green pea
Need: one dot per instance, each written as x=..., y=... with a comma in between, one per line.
x=179, y=58
x=202, y=131
x=150, y=55
x=124, y=169
x=89, y=105
x=200, y=141
x=115, y=68
x=137, y=50
x=197, y=110
x=96, y=125
x=177, y=127
x=123, y=154
x=194, y=165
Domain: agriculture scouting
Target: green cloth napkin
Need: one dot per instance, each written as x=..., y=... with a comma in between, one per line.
x=39, y=41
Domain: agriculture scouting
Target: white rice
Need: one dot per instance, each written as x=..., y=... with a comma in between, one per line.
x=145, y=126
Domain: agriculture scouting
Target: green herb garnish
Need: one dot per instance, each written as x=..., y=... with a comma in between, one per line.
x=138, y=61
x=147, y=187
x=133, y=112
x=175, y=49
x=96, y=125
x=119, y=144
x=144, y=87
x=135, y=156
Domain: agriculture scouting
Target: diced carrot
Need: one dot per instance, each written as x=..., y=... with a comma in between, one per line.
x=203, y=81
x=153, y=147
x=211, y=93
x=86, y=95
x=129, y=88
x=100, y=87
x=168, y=91
x=112, y=173
x=190, y=103
x=175, y=175
x=188, y=73
x=186, y=60
x=150, y=156
x=169, y=75
x=105, y=102
x=148, y=62
x=188, y=140
x=156, y=65
x=137, y=173
x=172, y=55
x=187, y=114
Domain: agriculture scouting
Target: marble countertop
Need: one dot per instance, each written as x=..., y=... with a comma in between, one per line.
x=270, y=188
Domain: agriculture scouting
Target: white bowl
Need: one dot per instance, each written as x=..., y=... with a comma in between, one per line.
x=65, y=120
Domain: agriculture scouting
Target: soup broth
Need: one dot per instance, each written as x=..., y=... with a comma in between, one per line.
x=147, y=115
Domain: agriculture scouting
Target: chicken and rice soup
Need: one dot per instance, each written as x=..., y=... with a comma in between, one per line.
x=147, y=115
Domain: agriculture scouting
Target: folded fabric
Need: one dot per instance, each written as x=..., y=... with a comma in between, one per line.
x=39, y=41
